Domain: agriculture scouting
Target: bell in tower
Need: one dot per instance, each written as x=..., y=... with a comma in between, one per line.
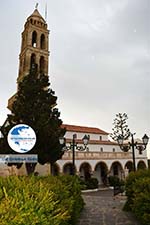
x=34, y=48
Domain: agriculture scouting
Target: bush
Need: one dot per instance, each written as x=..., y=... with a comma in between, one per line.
x=115, y=181
x=138, y=195
x=129, y=187
x=91, y=183
x=141, y=203
x=39, y=200
x=74, y=188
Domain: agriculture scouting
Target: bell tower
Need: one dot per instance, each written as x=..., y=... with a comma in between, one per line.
x=34, y=48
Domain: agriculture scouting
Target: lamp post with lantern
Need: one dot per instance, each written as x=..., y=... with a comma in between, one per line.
x=74, y=146
x=132, y=145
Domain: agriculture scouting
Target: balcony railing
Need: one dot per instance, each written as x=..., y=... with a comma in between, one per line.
x=97, y=155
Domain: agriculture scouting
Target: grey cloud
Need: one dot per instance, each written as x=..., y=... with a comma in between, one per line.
x=99, y=60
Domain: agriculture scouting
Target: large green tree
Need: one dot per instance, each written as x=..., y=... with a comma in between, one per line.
x=35, y=105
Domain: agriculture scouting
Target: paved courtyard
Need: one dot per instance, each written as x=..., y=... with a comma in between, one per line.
x=103, y=209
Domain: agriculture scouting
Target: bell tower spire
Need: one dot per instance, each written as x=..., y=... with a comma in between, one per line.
x=34, y=46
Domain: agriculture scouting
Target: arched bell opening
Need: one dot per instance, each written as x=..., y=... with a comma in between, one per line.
x=42, y=42
x=34, y=39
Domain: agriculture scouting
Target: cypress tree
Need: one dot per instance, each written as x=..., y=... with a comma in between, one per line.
x=35, y=105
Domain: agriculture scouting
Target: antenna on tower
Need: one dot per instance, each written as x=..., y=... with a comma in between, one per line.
x=46, y=11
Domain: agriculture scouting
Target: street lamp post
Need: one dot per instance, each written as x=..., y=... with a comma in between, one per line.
x=139, y=146
x=73, y=146
x=133, y=144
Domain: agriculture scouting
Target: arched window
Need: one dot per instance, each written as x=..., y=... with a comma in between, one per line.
x=42, y=64
x=42, y=41
x=34, y=39
x=113, y=149
x=101, y=149
x=33, y=61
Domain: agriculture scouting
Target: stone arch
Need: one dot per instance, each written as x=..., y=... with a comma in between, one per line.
x=34, y=39
x=129, y=166
x=55, y=169
x=68, y=168
x=141, y=165
x=85, y=170
x=100, y=172
x=117, y=169
x=42, y=41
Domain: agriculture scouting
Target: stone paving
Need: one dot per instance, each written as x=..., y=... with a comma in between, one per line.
x=102, y=208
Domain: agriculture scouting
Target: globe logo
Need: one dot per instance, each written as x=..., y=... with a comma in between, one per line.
x=21, y=138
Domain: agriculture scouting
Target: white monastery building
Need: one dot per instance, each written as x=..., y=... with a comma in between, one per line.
x=101, y=158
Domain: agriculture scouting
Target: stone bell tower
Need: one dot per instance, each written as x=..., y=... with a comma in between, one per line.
x=34, y=48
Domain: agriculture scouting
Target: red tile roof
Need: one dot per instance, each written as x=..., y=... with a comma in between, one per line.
x=82, y=129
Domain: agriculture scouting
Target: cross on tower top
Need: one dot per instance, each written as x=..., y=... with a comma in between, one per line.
x=36, y=6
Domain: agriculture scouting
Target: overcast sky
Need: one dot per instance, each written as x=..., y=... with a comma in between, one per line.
x=99, y=61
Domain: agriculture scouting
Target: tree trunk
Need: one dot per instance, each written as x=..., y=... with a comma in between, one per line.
x=30, y=167
x=51, y=168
